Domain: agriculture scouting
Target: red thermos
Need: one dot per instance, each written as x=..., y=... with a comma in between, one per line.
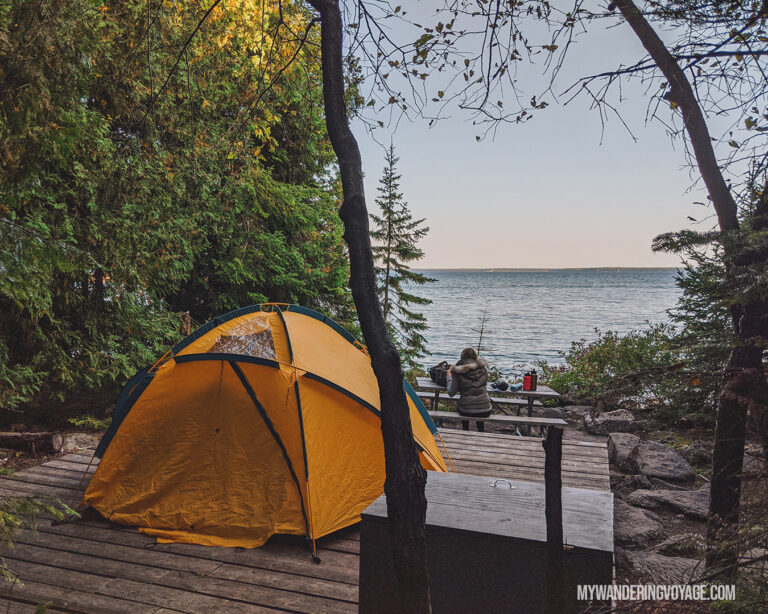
x=527, y=381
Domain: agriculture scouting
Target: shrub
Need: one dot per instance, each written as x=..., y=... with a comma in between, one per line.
x=643, y=366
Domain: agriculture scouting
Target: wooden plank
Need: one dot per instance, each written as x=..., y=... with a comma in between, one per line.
x=36, y=477
x=517, y=457
x=430, y=396
x=14, y=488
x=65, y=474
x=274, y=555
x=17, y=605
x=523, y=462
x=455, y=449
x=522, y=439
x=138, y=594
x=491, y=437
x=571, y=454
x=535, y=449
x=70, y=600
x=176, y=589
x=495, y=418
x=311, y=586
x=496, y=472
x=530, y=475
x=171, y=561
x=79, y=467
x=489, y=467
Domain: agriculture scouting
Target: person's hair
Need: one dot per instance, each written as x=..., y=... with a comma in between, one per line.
x=469, y=354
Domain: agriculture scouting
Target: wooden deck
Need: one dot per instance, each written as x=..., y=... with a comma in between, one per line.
x=94, y=566
x=585, y=463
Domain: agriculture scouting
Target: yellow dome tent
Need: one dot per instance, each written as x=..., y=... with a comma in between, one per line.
x=265, y=420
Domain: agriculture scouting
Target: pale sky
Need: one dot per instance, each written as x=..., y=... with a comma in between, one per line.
x=545, y=194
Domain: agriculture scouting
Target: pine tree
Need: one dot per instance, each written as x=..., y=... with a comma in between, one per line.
x=395, y=235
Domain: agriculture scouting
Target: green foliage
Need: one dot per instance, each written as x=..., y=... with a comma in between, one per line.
x=395, y=234
x=142, y=186
x=614, y=367
x=712, y=283
x=90, y=423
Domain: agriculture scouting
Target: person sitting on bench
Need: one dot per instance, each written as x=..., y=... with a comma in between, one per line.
x=469, y=378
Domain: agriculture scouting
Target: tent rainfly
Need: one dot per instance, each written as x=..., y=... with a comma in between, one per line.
x=265, y=420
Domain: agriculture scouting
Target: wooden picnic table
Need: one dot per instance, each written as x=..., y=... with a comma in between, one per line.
x=541, y=392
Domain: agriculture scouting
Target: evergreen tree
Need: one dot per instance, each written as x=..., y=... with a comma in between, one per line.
x=396, y=235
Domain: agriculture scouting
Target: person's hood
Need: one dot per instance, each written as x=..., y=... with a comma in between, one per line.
x=462, y=368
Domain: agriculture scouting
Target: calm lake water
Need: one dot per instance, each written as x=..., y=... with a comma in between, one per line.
x=531, y=315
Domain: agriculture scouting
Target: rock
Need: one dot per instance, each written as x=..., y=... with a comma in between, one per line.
x=662, y=485
x=658, y=569
x=646, y=425
x=622, y=484
x=620, y=446
x=576, y=412
x=691, y=503
x=689, y=421
x=684, y=544
x=618, y=421
x=656, y=460
x=753, y=465
x=80, y=442
x=633, y=526
x=698, y=453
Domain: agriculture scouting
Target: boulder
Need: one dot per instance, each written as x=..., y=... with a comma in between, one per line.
x=618, y=421
x=689, y=421
x=622, y=484
x=753, y=465
x=633, y=526
x=691, y=503
x=683, y=544
x=655, y=568
x=80, y=442
x=576, y=412
x=645, y=426
x=662, y=485
x=698, y=453
x=655, y=460
x=620, y=446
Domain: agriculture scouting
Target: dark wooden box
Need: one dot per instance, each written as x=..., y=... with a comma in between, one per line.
x=486, y=546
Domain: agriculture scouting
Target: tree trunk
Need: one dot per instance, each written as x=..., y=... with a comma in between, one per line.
x=744, y=384
x=553, y=514
x=405, y=479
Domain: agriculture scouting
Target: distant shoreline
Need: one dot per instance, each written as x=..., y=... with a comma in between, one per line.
x=546, y=270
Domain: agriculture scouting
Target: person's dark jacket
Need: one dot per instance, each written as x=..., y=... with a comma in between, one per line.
x=470, y=378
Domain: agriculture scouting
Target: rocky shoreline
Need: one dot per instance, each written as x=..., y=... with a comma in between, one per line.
x=660, y=481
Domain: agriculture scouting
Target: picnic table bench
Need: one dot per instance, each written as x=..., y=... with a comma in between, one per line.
x=440, y=416
x=431, y=396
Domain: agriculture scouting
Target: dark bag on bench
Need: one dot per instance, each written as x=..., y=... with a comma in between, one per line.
x=439, y=373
